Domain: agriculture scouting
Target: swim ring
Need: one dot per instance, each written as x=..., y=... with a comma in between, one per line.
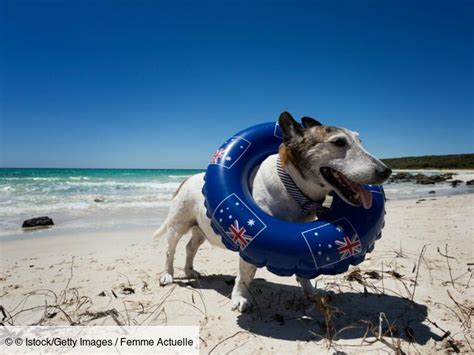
x=306, y=249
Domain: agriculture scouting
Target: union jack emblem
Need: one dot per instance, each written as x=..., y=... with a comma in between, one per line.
x=348, y=247
x=230, y=152
x=217, y=155
x=237, y=234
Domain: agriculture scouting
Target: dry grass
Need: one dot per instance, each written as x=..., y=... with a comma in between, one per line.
x=393, y=331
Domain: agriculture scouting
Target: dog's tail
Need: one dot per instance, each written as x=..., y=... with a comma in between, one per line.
x=160, y=231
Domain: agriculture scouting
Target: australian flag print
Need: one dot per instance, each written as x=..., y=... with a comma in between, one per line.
x=230, y=152
x=345, y=245
x=238, y=222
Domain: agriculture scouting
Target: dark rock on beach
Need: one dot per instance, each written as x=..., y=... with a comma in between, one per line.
x=38, y=222
x=432, y=192
x=470, y=183
x=455, y=183
x=99, y=199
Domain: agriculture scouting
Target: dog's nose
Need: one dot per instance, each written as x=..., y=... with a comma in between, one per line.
x=384, y=173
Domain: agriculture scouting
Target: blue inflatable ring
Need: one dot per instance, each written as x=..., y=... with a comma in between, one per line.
x=305, y=249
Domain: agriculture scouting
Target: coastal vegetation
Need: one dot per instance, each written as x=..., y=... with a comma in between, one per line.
x=452, y=161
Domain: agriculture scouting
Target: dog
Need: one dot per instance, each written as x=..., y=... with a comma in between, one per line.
x=312, y=161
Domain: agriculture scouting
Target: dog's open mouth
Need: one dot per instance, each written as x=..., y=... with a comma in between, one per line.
x=351, y=191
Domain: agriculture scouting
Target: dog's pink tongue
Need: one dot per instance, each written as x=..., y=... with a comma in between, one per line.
x=364, y=195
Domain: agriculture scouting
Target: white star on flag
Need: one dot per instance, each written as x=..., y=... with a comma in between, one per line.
x=251, y=222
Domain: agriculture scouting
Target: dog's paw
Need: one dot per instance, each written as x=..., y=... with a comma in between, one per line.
x=315, y=293
x=166, y=279
x=318, y=293
x=192, y=274
x=241, y=304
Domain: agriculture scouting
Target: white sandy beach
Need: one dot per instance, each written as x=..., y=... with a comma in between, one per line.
x=106, y=278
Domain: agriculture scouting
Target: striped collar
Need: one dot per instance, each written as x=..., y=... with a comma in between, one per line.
x=307, y=205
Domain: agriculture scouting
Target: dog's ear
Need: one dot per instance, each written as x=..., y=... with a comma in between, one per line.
x=309, y=122
x=290, y=128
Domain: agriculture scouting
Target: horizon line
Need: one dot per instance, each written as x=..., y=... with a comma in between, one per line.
x=30, y=167
x=20, y=167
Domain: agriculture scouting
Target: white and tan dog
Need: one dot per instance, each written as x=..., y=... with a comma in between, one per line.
x=313, y=160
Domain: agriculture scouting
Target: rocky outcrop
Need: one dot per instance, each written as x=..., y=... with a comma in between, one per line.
x=401, y=177
x=38, y=222
x=432, y=179
x=470, y=183
x=421, y=179
x=455, y=183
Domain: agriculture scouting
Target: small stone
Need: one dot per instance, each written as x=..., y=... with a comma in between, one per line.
x=127, y=290
x=38, y=222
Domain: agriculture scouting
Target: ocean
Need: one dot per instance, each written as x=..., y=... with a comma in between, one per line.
x=131, y=198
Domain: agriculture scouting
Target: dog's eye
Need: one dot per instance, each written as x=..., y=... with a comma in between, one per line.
x=340, y=142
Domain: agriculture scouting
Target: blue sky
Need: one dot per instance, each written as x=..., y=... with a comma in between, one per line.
x=160, y=84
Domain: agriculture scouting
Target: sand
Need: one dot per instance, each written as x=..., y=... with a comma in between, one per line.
x=107, y=278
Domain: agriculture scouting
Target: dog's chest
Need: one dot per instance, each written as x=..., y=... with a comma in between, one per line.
x=272, y=197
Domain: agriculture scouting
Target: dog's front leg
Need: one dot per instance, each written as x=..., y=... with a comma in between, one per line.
x=306, y=286
x=240, y=293
x=308, y=289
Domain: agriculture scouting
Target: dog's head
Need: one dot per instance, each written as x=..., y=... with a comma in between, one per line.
x=331, y=158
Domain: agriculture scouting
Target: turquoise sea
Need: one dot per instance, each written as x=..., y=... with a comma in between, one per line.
x=130, y=197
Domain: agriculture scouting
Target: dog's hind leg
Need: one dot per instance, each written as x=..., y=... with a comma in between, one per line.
x=173, y=238
x=197, y=238
x=181, y=218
